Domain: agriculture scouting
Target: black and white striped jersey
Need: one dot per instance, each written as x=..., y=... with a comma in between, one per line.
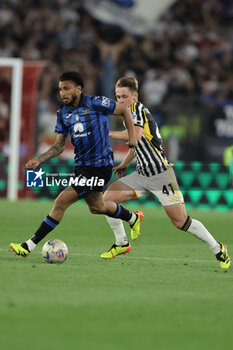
x=149, y=152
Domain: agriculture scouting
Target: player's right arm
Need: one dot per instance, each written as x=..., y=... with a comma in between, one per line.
x=121, y=169
x=125, y=112
x=52, y=152
x=124, y=135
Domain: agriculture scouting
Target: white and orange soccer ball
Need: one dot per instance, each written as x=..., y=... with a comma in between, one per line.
x=54, y=251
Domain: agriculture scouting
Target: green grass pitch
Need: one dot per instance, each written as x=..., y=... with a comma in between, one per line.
x=169, y=293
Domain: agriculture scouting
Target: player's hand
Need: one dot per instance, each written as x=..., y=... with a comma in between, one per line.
x=110, y=133
x=32, y=164
x=119, y=171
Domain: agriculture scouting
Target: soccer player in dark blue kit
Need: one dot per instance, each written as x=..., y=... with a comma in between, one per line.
x=85, y=118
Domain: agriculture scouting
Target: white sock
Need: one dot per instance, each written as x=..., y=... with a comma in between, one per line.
x=118, y=230
x=31, y=245
x=198, y=229
x=133, y=219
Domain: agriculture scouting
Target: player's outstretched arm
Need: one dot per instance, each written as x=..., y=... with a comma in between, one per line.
x=124, y=135
x=52, y=152
x=119, y=135
x=125, y=112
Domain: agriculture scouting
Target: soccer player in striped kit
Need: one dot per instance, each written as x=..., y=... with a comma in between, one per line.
x=85, y=118
x=154, y=174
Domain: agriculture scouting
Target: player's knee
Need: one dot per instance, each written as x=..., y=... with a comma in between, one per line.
x=177, y=223
x=182, y=224
x=93, y=210
x=107, y=196
x=186, y=224
x=96, y=209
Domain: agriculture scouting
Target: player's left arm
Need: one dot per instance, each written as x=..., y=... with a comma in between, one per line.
x=125, y=112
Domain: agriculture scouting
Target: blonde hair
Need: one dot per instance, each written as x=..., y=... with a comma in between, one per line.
x=128, y=82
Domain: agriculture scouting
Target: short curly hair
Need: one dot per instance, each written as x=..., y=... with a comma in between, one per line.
x=73, y=76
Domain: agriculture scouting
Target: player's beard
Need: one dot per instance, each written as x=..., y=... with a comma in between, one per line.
x=71, y=103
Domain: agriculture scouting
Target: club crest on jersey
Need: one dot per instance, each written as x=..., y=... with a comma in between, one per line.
x=85, y=111
x=78, y=127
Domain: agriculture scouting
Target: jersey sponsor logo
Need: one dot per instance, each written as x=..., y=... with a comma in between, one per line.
x=78, y=127
x=35, y=178
x=81, y=135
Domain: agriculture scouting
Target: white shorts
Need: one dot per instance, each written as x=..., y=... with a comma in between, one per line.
x=164, y=186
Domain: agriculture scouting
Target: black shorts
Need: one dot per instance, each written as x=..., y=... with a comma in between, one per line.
x=91, y=179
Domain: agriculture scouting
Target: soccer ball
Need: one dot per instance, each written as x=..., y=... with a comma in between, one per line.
x=54, y=251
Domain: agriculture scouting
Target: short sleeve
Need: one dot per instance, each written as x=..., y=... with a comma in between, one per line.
x=60, y=127
x=103, y=104
x=138, y=113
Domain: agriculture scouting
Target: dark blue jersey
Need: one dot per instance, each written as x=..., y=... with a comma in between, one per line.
x=88, y=127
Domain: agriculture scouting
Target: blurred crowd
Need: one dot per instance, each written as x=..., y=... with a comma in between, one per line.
x=188, y=52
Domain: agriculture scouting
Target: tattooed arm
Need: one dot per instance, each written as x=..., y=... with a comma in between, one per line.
x=52, y=152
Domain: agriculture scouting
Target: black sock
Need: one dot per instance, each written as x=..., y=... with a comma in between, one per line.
x=46, y=226
x=122, y=213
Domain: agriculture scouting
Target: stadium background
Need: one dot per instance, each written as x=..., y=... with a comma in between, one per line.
x=183, y=62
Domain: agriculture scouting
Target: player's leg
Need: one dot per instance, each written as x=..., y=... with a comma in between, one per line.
x=179, y=218
x=118, y=192
x=129, y=187
x=93, y=194
x=168, y=192
x=65, y=199
x=98, y=205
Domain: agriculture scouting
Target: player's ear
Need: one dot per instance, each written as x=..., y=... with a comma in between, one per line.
x=135, y=95
x=78, y=88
